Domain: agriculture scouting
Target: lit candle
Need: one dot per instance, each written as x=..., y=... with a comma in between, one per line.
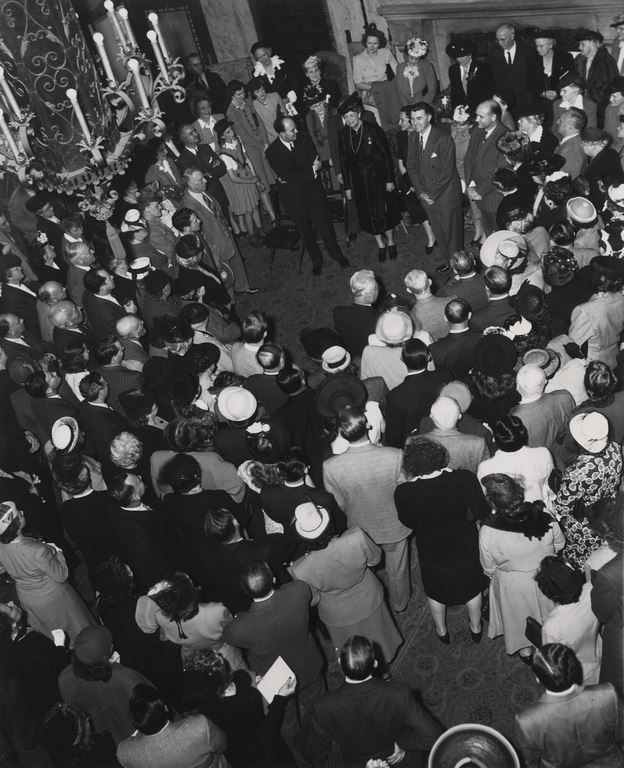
x=153, y=38
x=98, y=39
x=72, y=95
x=133, y=66
x=8, y=136
x=123, y=15
x=153, y=20
x=8, y=94
x=109, y=6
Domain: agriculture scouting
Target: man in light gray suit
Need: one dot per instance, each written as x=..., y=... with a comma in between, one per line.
x=466, y=451
x=363, y=480
x=570, y=125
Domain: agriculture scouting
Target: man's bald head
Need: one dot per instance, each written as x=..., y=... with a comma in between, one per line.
x=65, y=314
x=417, y=282
x=445, y=413
x=530, y=381
x=129, y=327
x=51, y=292
x=506, y=36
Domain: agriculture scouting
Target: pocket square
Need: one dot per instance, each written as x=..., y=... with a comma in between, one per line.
x=434, y=154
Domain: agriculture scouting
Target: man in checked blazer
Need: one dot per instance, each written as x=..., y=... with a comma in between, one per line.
x=433, y=173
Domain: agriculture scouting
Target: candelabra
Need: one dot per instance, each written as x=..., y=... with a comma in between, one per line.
x=65, y=127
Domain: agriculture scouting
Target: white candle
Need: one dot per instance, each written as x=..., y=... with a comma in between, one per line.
x=133, y=66
x=153, y=20
x=123, y=15
x=72, y=95
x=98, y=39
x=109, y=6
x=8, y=136
x=8, y=94
x=153, y=38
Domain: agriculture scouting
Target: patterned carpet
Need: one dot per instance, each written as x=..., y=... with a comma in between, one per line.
x=462, y=682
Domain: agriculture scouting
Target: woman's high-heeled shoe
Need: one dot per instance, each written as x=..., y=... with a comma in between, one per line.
x=392, y=252
x=444, y=639
x=476, y=636
x=382, y=254
x=429, y=248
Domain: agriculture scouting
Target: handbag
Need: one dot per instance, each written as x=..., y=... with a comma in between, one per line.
x=533, y=632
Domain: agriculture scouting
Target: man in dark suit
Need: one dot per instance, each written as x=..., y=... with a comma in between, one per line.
x=433, y=173
x=200, y=156
x=17, y=297
x=101, y=307
x=482, y=160
x=366, y=717
x=15, y=340
x=97, y=419
x=454, y=353
x=465, y=283
x=200, y=81
x=410, y=401
x=277, y=624
x=470, y=79
x=131, y=333
x=606, y=601
x=67, y=321
x=148, y=542
x=355, y=323
x=515, y=69
x=498, y=283
x=47, y=404
x=293, y=158
x=47, y=220
x=109, y=354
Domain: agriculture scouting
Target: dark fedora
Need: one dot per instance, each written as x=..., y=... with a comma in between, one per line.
x=338, y=391
x=35, y=203
x=459, y=48
x=588, y=34
x=570, y=78
x=495, y=354
x=544, y=165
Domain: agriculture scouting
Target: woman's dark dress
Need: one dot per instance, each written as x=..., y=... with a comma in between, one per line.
x=441, y=511
x=367, y=167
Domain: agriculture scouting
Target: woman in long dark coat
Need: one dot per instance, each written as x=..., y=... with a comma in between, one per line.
x=441, y=506
x=368, y=173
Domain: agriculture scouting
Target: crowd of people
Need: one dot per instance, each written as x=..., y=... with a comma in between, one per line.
x=189, y=515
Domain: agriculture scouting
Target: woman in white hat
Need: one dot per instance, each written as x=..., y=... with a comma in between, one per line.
x=338, y=569
x=595, y=474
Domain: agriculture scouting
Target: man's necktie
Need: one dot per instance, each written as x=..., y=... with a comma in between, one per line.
x=421, y=140
x=508, y=58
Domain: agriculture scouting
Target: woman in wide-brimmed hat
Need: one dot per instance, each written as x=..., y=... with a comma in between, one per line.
x=492, y=379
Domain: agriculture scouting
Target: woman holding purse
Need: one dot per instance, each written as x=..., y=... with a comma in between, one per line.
x=241, y=184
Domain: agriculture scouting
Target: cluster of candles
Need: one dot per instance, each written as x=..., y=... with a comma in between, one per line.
x=125, y=36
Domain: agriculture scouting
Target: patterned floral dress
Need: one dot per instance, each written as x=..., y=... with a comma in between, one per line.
x=591, y=477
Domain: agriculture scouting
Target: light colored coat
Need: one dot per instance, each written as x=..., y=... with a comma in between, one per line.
x=599, y=322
